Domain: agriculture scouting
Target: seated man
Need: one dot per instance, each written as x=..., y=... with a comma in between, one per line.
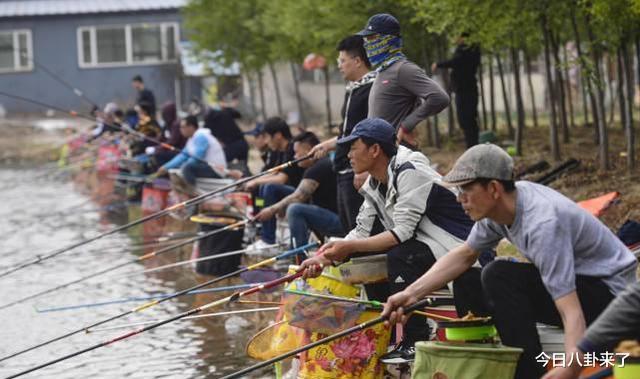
x=272, y=193
x=318, y=185
x=421, y=219
x=201, y=146
x=577, y=264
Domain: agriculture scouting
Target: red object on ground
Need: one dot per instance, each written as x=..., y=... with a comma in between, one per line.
x=314, y=62
x=598, y=205
x=108, y=157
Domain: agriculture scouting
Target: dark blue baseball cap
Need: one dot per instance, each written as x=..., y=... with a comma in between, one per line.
x=375, y=128
x=259, y=129
x=381, y=23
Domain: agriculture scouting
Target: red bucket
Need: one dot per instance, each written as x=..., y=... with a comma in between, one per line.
x=155, y=196
x=108, y=157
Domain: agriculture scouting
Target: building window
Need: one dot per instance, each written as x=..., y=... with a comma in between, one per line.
x=16, y=52
x=149, y=43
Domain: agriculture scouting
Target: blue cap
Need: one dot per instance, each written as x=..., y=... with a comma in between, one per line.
x=375, y=128
x=382, y=23
x=259, y=129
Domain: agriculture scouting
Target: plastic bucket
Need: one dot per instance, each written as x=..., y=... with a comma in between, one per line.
x=464, y=361
x=108, y=157
x=154, y=199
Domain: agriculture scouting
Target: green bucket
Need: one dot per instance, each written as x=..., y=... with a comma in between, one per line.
x=464, y=361
x=630, y=370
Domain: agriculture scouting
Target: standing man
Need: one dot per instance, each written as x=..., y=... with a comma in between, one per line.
x=223, y=126
x=420, y=218
x=577, y=264
x=402, y=93
x=354, y=67
x=145, y=96
x=464, y=66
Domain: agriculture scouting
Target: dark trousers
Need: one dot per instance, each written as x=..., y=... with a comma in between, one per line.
x=517, y=299
x=192, y=170
x=238, y=149
x=349, y=201
x=467, y=112
x=407, y=262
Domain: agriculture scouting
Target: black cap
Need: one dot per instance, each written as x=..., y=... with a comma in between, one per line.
x=382, y=23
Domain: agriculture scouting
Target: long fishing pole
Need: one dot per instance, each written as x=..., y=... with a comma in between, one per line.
x=152, y=216
x=75, y=90
x=173, y=296
x=144, y=298
x=420, y=304
x=229, y=299
x=190, y=261
x=240, y=311
x=123, y=264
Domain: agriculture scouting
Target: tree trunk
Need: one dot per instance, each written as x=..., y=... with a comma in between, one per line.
x=276, y=86
x=505, y=98
x=492, y=104
x=252, y=95
x=263, y=106
x=553, y=129
x=327, y=92
x=637, y=46
x=620, y=88
x=482, y=96
x=568, y=88
x=586, y=80
x=629, y=127
x=531, y=91
x=519, y=103
x=560, y=88
x=447, y=84
x=608, y=71
x=296, y=87
x=584, y=100
x=602, y=127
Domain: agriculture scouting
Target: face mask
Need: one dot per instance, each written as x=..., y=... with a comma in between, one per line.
x=383, y=49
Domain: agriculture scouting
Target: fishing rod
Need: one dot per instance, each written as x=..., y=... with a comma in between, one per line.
x=123, y=264
x=227, y=300
x=240, y=311
x=144, y=298
x=73, y=89
x=172, y=296
x=418, y=305
x=189, y=261
x=153, y=216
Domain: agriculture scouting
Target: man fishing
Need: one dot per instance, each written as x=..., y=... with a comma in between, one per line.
x=420, y=218
x=577, y=264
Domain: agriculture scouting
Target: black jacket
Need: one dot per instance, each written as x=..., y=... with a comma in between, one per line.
x=223, y=126
x=464, y=65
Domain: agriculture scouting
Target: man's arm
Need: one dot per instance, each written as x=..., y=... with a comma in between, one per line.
x=456, y=60
x=305, y=190
x=434, y=98
x=572, y=320
x=279, y=178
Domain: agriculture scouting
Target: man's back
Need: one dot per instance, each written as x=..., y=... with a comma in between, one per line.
x=399, y=90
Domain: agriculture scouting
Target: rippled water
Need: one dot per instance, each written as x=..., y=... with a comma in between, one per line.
x=38, y=216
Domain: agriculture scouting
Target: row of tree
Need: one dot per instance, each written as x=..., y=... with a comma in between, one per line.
x=261, y=33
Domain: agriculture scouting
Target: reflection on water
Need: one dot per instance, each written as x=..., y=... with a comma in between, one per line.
x=38, y=217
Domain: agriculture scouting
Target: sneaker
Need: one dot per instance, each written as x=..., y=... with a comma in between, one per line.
x=402, y=353
x=261, y=248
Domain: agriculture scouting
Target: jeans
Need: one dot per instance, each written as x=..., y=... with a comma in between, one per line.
x=272, y=193
x=197, y=169
x=517, y=299
x=305, y=217
x=348, y=201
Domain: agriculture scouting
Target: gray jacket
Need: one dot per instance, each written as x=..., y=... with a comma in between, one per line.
x=413, y=204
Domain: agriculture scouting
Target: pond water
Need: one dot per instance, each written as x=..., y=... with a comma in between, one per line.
x=38, y=216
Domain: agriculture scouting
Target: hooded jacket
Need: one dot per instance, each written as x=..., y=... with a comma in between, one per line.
x=413, y=204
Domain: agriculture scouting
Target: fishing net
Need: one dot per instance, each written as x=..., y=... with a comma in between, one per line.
x=320, y=315
x=275, y=340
